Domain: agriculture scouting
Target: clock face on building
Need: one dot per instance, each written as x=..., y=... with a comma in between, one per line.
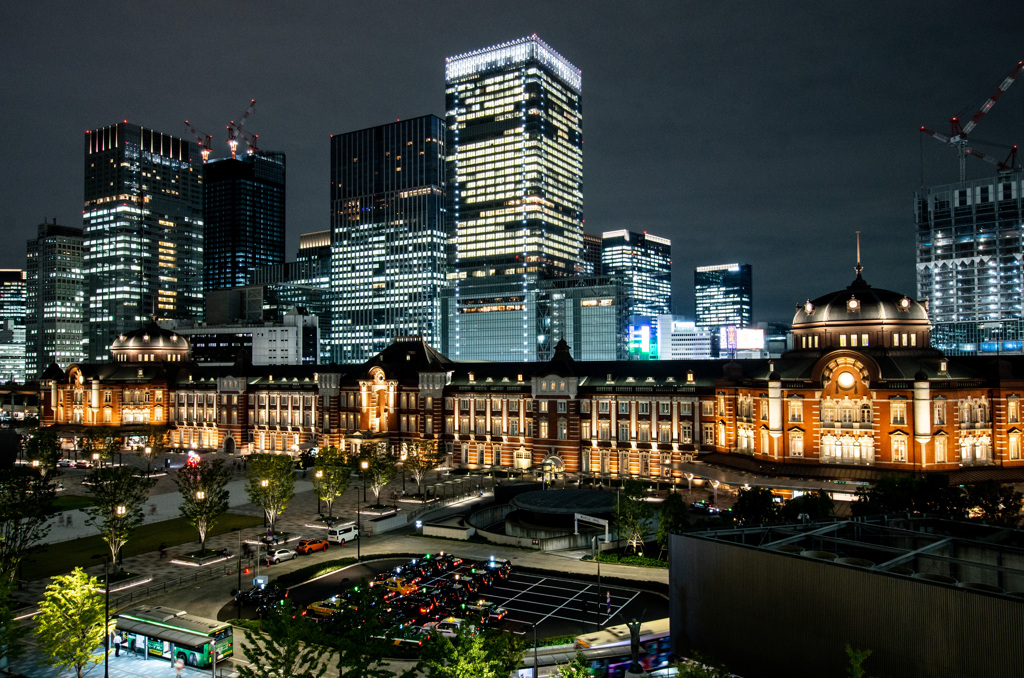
x=846, y=380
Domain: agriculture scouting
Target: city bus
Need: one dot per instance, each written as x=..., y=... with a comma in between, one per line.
x=609, y=652
x=175, y=634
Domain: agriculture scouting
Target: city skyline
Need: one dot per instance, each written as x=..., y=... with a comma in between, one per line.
x=760, y=134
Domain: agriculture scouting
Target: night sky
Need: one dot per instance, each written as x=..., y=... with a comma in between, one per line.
x=763, y=133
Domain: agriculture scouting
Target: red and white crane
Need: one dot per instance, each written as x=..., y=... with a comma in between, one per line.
x=235, y=130
x=958, y=133
x=205, y=144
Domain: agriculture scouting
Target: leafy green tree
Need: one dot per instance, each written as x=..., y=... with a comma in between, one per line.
x=26, y=504
x=996, y=504
x=204, y=495
x=577, y=667
x=755, y=506
x=632, y=515
x=332, y=474
x=423, y=456
x=701, y=667
x=673, y=517
x=44, y=446
x=280, y=648
x=507, y=648
x=816, y=505
x=71, y=622
x=270, y=483
x=118, y=499
x=155, y=434
x=468, y=655
x=381, y=467
x=359, y=637
x=857, y=659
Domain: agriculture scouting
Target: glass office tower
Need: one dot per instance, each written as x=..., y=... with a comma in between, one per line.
x=724, y=295
x=388, y=258
x=644, y=261
x=12, y=325
x=56, y=297
x=515, y=168
x=143, y=230
x=244, y=218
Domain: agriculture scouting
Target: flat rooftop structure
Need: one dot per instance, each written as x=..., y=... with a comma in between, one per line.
x=928, y=597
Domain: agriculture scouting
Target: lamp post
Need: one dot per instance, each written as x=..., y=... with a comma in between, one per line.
x=359, y=515
x=106, y=615
x=319, y=475
x=364, y=465
x=597, y=559
x=148, y=451
x=200, y=496
x=263, y=484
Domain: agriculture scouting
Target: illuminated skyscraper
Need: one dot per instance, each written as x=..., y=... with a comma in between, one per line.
x=12, y=325
x=56, y=298
x=143, y=230
x=388, y=258
x=644, y=261
x=244, y=218
x=515, y=168
x=724, y=296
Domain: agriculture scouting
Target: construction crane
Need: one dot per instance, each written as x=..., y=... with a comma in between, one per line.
x=205, y=144
x=958, y=134
x=235, y=130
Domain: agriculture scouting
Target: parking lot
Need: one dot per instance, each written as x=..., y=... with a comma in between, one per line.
x=555, y=605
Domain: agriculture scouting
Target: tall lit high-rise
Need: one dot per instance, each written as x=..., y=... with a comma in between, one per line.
x=970, y=263
x=644, y=261
x=12, y=325
x=244, y=217
x=515, y=169
x=724, y=295
x=388, y=258
x=143, y=230
x=56, y=298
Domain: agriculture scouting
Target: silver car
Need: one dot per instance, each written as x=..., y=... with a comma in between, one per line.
x=275, y=556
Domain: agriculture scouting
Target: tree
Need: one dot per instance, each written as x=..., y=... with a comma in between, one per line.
x=155, y=435
x=995, y=503
x=381, y=467
x=701, y=667
x=632, y=514
x=279, y=648
x=755, y=506
x=270, y=483
x=204, y=495
x=815, y=505
x=71, y=622
x=673, y=517
x=422, y=457
x=577, y=667
x=468, y=655
x=332, y=474
x=359, y=636
x=857, y=659
x=26, y=504
x=889, y=494
x=44, y=446
x=118, y=497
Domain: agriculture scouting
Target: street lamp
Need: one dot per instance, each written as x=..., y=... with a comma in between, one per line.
x=263, y=484
x=148, y=450
x=95, y=458
x=364, y=465
x=106, y=613
x=319, y=475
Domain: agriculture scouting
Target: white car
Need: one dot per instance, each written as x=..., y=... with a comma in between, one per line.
x=449, y=626
x=275, y=556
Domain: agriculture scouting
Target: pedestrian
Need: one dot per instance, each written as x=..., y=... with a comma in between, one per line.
x=163, y=550
x=167, y=463
x=178, y=666
x=152, y=509
x=608, y=601
x=69, y=520
x=117, y=644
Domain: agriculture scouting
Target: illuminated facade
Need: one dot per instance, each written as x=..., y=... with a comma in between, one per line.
x=56, y=298
x=970, y=263
x=388, y=258
x=644, y=261
x=12, y=325
x=515, y=170
x=861, y=394
x=243, y=216
x=143, y=231
x=724, y=296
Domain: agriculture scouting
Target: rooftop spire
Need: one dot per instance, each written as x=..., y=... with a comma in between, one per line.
x=858, y=268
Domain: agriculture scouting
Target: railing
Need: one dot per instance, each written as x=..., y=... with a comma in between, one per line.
x=131, y=595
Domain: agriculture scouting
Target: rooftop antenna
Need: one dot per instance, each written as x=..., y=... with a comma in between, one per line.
x=858, y=268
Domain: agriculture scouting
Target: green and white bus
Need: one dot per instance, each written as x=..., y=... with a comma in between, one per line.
x=175, y=634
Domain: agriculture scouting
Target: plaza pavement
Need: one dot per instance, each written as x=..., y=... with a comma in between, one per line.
x=205, y=598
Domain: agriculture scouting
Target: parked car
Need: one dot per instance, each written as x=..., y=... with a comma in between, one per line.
x=448, y=626
x=275, y=556
x=258, y=595
x=324, y=609
x=399, y=585
x=342, y=533
x=488, y=609
x=65, y=463
x=307, y=546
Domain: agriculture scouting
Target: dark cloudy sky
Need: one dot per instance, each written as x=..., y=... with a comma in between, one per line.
x=758, y=132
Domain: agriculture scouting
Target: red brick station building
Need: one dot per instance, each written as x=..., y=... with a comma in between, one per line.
x=861, y=393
